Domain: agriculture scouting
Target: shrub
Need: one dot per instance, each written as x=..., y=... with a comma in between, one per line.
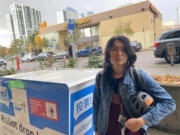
x=95, y=61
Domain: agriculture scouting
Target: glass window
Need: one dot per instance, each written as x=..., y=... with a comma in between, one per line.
x=53, y=40
x=94, y=30
x=87, y=32
x=81, y=33
x=174, y=35
x=163, y=36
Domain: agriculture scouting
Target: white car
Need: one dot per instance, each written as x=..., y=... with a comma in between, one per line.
x=2, y=62
x=28, y=57
x=61, y=55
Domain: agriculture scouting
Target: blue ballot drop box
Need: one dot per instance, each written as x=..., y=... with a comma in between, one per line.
x=47, y=102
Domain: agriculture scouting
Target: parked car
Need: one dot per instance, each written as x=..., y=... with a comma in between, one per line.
x=61, y=55
x=12, y=57
x=7, y=57
x=2, y=62
x=160, y=46
x=43, y=56
x=136, y=46
x=28, y=57
x=88, y=51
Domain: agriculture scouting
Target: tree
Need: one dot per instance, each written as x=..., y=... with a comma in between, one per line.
x=3, y=51
x=44, y=43
x=124, y=29
x=31, y=41
x=16, y=47
x=72, y=39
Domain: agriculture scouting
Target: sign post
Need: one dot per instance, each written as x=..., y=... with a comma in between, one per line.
x=71, y=32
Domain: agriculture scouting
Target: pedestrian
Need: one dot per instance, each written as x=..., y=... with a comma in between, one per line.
x=113, y=88
x=18, y=62
x=70, y=50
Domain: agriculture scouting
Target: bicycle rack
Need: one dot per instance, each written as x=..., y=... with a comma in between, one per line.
x=171, y=52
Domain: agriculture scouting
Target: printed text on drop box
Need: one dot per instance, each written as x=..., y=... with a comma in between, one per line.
x=82, y=105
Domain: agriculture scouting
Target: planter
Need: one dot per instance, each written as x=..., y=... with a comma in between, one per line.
x=172, y=122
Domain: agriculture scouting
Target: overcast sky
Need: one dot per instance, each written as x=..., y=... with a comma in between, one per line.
x=48, y=10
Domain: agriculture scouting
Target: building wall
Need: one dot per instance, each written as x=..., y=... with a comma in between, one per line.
x=61, y=41
x=25, y=20
x=155, y=25
x=10, y=22
x=140, y=23
x=146, y=26
x=146, y=23
x=66, y=14
x=60, y=16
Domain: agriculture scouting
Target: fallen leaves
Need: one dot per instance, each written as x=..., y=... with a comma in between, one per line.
x=167, y=79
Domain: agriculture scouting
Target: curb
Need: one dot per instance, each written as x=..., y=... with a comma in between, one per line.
x=146, y=49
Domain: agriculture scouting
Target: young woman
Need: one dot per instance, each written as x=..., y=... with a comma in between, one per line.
x=113, y=88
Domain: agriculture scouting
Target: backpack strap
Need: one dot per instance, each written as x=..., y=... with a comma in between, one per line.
x=135, y=77
x=100, y=78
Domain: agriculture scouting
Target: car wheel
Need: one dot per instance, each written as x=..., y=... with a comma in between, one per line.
x=137, y=50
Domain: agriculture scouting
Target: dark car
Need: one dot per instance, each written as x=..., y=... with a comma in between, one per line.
x=136, y=46
x=2, y=62
x=61, y=55
x=88, y=51
x=43, y=56
x=160, y=46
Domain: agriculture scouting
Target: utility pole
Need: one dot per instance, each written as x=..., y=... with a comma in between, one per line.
x=177, y=15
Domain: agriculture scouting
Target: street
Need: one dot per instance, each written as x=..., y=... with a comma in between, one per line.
x=155, y=66
x=145, y=61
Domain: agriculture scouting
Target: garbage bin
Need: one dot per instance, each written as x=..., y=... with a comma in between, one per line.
x=48, y=102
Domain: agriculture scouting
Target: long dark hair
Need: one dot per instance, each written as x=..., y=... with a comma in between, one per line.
x=107, y=71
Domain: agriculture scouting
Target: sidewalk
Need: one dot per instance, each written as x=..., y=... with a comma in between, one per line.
x=146, y=49
x=153, y=131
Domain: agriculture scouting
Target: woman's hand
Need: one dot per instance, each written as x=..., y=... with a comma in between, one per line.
x=96, y=133
x=134, y=124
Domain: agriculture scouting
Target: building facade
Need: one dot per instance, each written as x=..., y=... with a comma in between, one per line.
x=96, y=30
x=67, y=15
x=23, y=20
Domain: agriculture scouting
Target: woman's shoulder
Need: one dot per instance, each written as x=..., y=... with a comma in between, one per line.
x=141, y=71
x=144, y=75
x=99, y=73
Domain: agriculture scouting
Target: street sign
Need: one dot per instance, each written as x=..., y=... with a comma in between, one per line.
x=70, y=26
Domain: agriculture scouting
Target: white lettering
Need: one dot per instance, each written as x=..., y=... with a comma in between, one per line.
x=82, y=105
x=83, y=126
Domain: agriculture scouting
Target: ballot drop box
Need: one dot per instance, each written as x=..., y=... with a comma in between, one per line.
x=47, y=102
